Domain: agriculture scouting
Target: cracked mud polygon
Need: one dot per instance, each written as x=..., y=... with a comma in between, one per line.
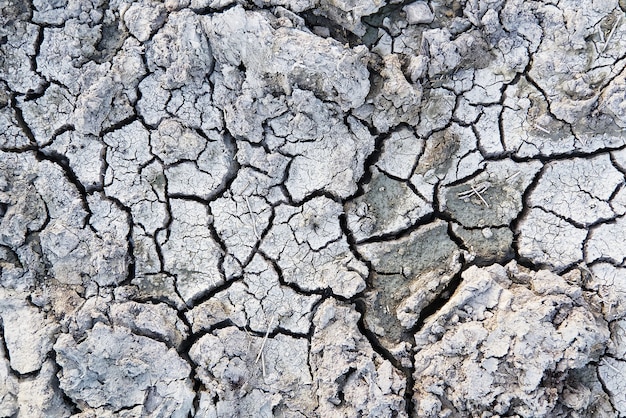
x=312, y=208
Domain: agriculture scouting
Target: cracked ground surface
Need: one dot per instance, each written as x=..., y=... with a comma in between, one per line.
x=312, y=208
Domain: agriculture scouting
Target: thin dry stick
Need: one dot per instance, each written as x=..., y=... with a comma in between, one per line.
x=256, y=234
x=608, y=38
x=468, y=193
x=606, y=363
x=513, y=176
x=582, y=140
x=264, y=340
x=601, y=34
x=541, y=128
x=479, y=196
x=263, y=363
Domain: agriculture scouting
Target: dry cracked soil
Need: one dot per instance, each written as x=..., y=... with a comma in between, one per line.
x=312, y=208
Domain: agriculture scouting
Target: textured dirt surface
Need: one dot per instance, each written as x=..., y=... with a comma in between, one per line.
x=312, y=208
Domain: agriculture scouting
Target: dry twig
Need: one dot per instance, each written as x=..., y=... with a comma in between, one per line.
x=474, y=191
x=269, y=327
x=608, y=38
x=256, y=234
